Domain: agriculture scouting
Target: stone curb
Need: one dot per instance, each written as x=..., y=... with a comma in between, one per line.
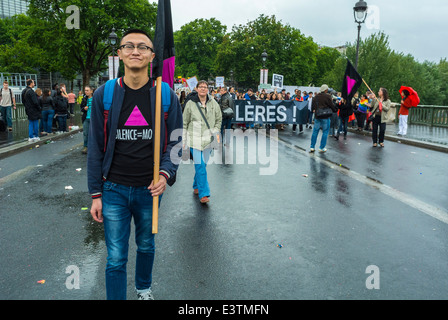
x=16, y=148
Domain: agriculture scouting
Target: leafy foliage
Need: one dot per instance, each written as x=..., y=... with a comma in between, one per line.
x=380, y=66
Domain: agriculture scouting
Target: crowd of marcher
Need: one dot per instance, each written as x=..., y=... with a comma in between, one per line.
x=47, y=109
x=367, y=112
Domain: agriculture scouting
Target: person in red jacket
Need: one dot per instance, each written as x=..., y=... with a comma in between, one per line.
x=404, y=113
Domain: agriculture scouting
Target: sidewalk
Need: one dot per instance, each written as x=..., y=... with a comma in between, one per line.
x=17, y=140
x=434, y=138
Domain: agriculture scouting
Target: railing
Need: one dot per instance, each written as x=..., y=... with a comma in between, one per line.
x=20, y=114
x=436, y=116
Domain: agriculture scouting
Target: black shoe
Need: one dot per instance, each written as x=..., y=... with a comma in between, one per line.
x=336, y=137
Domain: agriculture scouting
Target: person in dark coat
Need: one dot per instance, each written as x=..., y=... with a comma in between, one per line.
x=345, y=111
x=61, y=110
x=32, y=109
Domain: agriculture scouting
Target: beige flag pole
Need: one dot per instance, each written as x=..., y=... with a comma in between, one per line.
x=155, y=200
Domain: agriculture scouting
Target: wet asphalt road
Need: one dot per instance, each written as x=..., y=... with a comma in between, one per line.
x=280, y=236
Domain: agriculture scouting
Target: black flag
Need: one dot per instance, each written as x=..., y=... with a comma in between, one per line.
x=164, y=61
x=351, y=82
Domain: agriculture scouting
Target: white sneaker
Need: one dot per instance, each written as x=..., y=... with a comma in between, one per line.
x=30, y=140
x=323, y=150
x=145, y=295
x=312, y=150
x=36, y=139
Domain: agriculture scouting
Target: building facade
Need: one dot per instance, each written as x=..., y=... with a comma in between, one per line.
x=9, y=8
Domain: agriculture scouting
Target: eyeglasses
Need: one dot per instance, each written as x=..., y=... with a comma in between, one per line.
x=141, y=48
x=202, y=87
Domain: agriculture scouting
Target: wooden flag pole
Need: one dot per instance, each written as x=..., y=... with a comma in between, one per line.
x=367, y=86
x=155, y=200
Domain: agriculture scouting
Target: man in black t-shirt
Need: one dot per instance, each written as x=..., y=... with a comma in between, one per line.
x=122, y=154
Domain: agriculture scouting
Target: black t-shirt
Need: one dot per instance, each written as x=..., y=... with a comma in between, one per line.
x=133, y=160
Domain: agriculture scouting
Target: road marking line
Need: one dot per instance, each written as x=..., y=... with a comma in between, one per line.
x=433, y=211
x=16, y=174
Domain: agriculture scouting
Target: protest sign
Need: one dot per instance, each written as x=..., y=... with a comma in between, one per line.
x=192, y=82
x=277, y=81
x=271, y=112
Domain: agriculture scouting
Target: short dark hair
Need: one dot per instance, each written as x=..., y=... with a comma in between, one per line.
x=135, y=31
x=29, y=82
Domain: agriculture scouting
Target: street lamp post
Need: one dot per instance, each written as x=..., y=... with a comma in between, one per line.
x=113, y=42
x=360, y=13
x=264, y=76
x=264, y=57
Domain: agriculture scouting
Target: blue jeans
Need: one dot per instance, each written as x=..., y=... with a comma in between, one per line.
x=120, y=205
x=200, y=182
x=33, y=129
x=85, y=131
x=318, y=124
x=47, y=120
x=6, y=115
x=62, y=122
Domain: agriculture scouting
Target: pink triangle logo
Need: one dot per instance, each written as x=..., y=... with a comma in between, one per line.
x=350, y=84
x=136, y=119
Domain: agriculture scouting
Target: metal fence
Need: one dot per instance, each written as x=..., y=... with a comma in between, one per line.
x=20, y=114
x=434, y=116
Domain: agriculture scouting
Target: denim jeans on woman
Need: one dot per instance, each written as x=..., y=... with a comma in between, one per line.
x=318, y=124
x=200, y=159
x=47, y=120
x=120, y=205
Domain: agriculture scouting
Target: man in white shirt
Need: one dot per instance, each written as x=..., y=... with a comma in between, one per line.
x=310, y=118
x=7, y=100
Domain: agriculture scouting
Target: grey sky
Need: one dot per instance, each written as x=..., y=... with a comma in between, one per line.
x=414, y=27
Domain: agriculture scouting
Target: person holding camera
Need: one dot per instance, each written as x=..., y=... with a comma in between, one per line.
x=323, y=108
x=226, y=102
x=380, y=107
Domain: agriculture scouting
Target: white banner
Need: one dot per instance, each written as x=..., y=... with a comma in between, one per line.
x=264, y=76
x=277, y=81
x=192, y=82
x=113, y=63
x=219, y=82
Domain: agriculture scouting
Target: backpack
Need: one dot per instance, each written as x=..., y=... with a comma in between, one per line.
x=109, y=95
x=1, y=93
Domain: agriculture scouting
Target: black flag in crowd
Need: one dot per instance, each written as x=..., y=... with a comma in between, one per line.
x=351, y=82
x=164, y=61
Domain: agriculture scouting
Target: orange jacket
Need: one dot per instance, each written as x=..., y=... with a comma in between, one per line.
x=404, y=109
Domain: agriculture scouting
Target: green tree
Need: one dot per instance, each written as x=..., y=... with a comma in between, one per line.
x=290, y=53
x=196, y=46
x=85, y=50
x=325, y=61
x=443, y=71
x=380, y=66
x=18, y=49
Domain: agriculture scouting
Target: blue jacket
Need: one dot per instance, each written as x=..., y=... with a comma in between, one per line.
x=99, y=160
